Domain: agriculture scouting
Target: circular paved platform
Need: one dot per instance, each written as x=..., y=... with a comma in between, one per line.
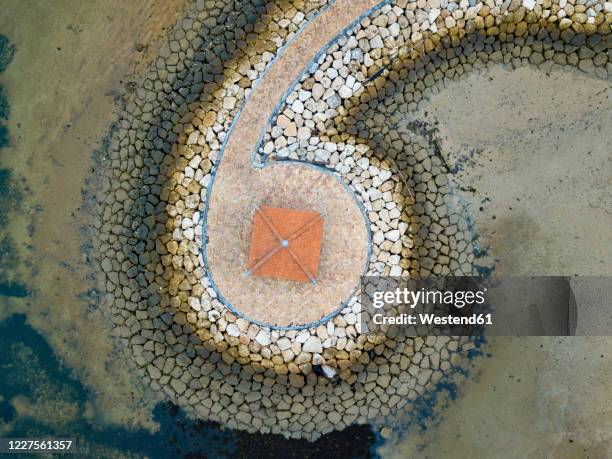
x=344, y=248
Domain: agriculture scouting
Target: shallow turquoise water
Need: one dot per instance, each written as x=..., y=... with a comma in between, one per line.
x=29, y=369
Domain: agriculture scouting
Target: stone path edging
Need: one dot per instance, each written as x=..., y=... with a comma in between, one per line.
x=237, y=177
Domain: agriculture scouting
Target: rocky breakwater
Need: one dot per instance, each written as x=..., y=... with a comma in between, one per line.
x=344, y=114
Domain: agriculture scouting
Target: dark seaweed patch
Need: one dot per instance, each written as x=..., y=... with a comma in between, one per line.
x=9, y=195
x=13, y=289
x=356, y=441
x=4, y=105
x=4, y=137
x=7, y=412
x=7, y=51
x=9, y=200
x=8, y=258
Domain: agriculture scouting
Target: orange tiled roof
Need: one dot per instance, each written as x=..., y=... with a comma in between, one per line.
x=286, y=244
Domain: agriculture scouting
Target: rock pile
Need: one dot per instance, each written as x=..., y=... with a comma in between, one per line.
x=348, y=114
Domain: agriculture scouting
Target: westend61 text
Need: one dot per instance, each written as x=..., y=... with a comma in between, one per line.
x=432, y=319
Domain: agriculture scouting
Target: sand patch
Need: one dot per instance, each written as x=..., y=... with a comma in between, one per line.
x=534, y=147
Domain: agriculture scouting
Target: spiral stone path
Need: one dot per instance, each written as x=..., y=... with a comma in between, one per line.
x=238, y=187
x=181, y=185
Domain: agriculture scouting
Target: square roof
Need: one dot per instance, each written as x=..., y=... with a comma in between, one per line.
x=286, y=244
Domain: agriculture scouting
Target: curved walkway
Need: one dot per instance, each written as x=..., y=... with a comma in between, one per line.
x=239, y=187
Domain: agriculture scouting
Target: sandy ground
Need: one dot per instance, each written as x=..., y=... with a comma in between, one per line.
x=534, y=398
x=71, y=59
x=542, y=167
